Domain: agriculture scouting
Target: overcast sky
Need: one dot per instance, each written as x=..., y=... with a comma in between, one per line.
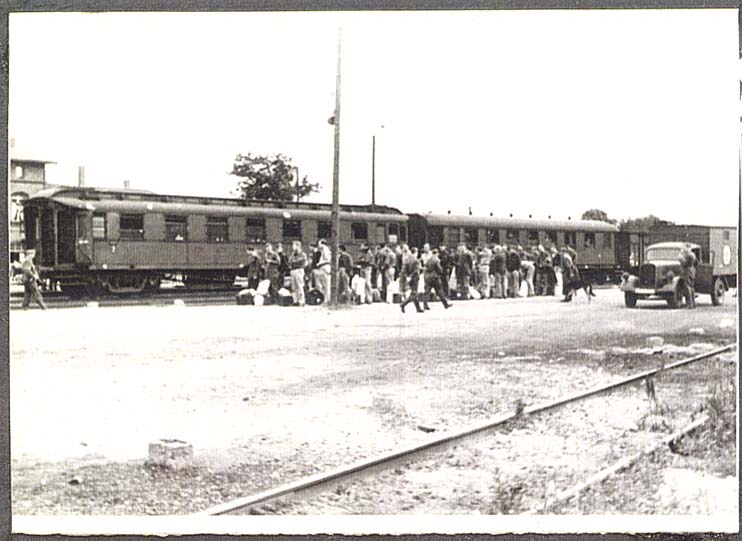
x=532, y=112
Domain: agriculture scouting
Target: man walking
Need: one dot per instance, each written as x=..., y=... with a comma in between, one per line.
x=31, y=281
x=345, y=268
x=484, y=272
x=528, y=269
x=434, y=278
x=499, y=269
x=409, y=275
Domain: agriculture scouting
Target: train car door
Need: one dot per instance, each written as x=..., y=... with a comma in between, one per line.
x=623, y=251
x=84, y=238
x=66, y=236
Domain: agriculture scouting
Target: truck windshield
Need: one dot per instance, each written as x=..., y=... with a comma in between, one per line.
x=663, y=254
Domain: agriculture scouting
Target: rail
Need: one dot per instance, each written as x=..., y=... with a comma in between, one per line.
x=323, y=481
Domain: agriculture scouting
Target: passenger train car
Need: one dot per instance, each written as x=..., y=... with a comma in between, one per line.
x=603, y=251
x=117, y=241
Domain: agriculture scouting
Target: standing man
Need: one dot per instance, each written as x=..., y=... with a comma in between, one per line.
x=688, y=264
x=464, y=266
x=345, y=268
x=570, y=275
x=409, y=274
x=366, y=263
x=513, y=267
x=547, y=279
x=378, y=275
x=283, y=266
x=447, y=265
x=271, y=262
x=485, y=258
x=252, y=268
x=324, y=271
x=528, y=269
x=499, y=268
x=31, y=281
x=434, y=278
x=297, y=262
x=388, y=263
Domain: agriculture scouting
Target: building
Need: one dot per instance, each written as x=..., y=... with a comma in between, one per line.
x=27, y=176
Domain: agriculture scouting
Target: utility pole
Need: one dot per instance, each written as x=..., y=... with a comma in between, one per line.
x=373, y=170
x=335, y=215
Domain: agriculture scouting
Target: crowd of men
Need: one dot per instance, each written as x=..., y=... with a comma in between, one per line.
x=496, y=271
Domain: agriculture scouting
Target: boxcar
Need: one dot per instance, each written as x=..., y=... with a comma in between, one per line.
x=595, y=242
x=128, y=240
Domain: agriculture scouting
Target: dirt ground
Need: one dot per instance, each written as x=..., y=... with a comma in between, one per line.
x=267, y=394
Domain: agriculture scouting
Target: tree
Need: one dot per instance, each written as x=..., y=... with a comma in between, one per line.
x=597, y=214
x=270, y=177
x=645, y=224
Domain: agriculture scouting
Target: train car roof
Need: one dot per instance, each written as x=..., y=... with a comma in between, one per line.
x=146, y=201
x=517, y=223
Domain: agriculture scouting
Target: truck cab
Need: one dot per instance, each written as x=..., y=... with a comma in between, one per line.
x=660, y=277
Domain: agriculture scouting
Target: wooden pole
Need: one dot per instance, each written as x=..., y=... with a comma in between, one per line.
x=373, y=170
x=335, y=215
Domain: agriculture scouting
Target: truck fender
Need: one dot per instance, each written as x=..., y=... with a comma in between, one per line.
x=630, y=283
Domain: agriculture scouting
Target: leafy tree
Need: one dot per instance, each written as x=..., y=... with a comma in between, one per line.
x=646, y=223
x=597, y=214
x=269, y=177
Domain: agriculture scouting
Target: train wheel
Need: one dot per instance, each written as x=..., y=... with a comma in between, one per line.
x=630, y=299
x=717, y=292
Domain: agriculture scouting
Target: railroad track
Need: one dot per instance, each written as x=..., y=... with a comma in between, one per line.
x=315, y=484
x=162, y=297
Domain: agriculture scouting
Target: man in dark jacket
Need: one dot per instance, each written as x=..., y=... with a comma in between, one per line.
x=513, y=264
x=345, y=269
x=688, y=264
x=499, y=271
x=434, y=278
x=271, y=262
x=447, y=265
x=252, y=268
x=464, y=265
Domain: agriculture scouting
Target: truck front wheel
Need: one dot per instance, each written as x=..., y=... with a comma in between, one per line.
x=630, y=299
x=717, y=292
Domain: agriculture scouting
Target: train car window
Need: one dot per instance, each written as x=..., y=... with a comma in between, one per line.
x=493, y=236
x=403, y=233
x=217, y=229
x=292, y=229
x=589, y=240
x=551, y=236
x=532, y=236
x=607, y=240
x=454, y=236
x=176, y=228
x=471, y=235
x=18, y=171
x=359, y=230
x=394, y=230
x=570, y=238
x=726, y=235
x=324, y=230
x=99, y=226
x=512, y=235
x=380, y=233
x=131, y=227
x=255, y=231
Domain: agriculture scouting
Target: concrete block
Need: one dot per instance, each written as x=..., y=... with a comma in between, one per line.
x=178, y=302
x=655, y=341
x=92, y=304
x=172, y=454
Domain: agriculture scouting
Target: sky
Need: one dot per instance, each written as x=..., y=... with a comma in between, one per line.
x=523, y=112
